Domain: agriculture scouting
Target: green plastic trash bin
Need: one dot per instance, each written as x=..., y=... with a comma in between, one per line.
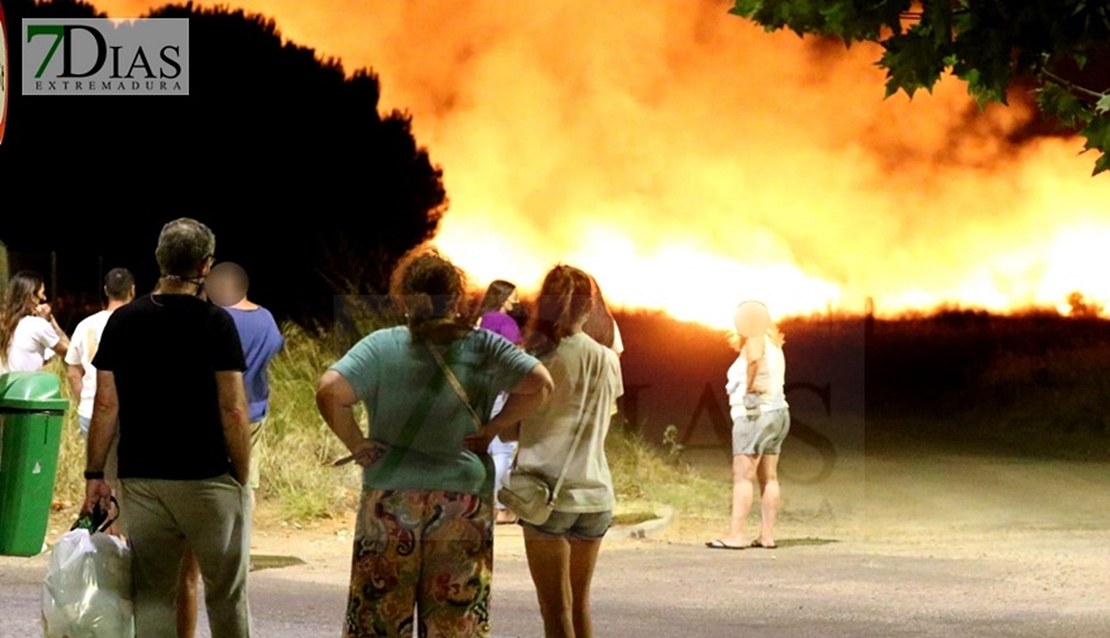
x=31, y=413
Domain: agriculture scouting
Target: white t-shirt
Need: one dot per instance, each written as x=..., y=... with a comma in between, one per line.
x=82, y=349
x=31, y=345
x=771, y=375
x=587, y=380
x=618, y=343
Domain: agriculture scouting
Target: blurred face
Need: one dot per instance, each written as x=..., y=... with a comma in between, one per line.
x=512, y=302
x=40, y=295
x=219, y=288
x=752, y=319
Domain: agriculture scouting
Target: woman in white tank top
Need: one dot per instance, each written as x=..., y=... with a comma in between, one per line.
x=760, y=424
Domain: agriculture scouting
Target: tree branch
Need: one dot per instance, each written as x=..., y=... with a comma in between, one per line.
x=1071, y=86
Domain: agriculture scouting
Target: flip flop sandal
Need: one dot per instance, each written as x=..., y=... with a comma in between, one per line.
x=720, y=544
x=758, y=545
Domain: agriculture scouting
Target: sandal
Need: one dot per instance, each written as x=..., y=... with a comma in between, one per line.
x=720, y=544
x=758, y=545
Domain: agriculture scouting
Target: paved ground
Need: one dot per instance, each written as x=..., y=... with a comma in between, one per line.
x=659, y=590
x=938, y=546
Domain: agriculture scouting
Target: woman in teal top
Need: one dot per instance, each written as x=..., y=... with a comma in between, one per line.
x=423, y=551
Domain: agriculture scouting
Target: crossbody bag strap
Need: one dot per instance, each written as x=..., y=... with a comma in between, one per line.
x=566, y=463
x=454, y=381
x=574, y=446
x=408, y=433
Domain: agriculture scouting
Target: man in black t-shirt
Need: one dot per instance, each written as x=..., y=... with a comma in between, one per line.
x=184, y=440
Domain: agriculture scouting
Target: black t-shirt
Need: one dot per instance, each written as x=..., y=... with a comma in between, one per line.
x=164, y=351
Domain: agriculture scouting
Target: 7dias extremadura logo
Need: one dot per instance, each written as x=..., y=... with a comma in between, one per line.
x=105, y=57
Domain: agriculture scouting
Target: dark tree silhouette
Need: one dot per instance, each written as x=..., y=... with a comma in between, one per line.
x=305, y=183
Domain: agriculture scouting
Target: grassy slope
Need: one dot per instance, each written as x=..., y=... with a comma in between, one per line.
x=1033, y=385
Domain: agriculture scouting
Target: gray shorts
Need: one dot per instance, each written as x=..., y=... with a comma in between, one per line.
x=591, y=526
x=761, y=433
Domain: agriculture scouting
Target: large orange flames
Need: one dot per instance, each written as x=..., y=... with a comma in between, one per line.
x=689, y=160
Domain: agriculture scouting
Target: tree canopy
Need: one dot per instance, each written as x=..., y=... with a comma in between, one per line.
x=1061, y=46
x=281, y=152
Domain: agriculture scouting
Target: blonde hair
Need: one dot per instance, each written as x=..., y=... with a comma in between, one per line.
x=736, y=342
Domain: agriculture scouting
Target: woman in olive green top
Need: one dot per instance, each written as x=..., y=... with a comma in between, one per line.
x=423, y=551
x=562, y=552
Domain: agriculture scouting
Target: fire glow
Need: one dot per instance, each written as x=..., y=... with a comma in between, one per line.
x=688, y=160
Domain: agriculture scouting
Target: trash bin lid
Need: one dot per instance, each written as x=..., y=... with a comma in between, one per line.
x=31, y=391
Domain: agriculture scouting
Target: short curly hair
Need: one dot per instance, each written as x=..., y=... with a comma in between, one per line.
x=428, y=287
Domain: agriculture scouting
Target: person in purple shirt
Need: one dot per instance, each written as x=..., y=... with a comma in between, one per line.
x=226, y=285
x=496, y=314
x=498, y=309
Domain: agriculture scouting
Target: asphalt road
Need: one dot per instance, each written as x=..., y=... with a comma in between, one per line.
x=658, y=590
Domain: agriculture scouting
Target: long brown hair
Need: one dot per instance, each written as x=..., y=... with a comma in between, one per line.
x=20, y=300
x=565, y=298
x=496, y=295
x=429, y=288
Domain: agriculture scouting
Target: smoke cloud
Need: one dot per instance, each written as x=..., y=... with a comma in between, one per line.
x=689, y=160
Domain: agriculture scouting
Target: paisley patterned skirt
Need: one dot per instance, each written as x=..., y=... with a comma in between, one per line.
x=422, y=560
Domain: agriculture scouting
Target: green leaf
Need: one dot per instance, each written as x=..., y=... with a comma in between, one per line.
x=746, y=8
x=1056, y=101
x=1103, y=104
x=836, y=17
x=1102, y=164
x=1097, y=133
x=913, y=61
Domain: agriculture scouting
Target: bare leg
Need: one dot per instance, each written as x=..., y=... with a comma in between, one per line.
x=583, y=558
x=769, y=502
x=743, y=493
x=549, y=563
x=187, y=594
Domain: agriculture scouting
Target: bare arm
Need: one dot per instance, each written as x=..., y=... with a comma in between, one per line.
x=754, y=353
x=102, y=429
x=235, y=418
x=527, y=397
x=63, y=341
x=44, y=311
x=335, y=399
x=75, y=374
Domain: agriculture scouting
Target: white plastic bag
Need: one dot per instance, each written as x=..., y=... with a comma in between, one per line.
x=87, y=589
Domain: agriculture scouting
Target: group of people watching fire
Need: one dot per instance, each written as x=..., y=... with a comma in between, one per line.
x=458, y=400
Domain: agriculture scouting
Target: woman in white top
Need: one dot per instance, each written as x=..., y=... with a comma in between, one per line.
x=761, y=422
x=563, y=551
x=29, y=335
x=601, y=325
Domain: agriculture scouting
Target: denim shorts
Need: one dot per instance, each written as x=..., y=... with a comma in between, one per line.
x=586, y=526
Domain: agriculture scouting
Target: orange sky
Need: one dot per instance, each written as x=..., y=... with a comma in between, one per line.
x=689, y=160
